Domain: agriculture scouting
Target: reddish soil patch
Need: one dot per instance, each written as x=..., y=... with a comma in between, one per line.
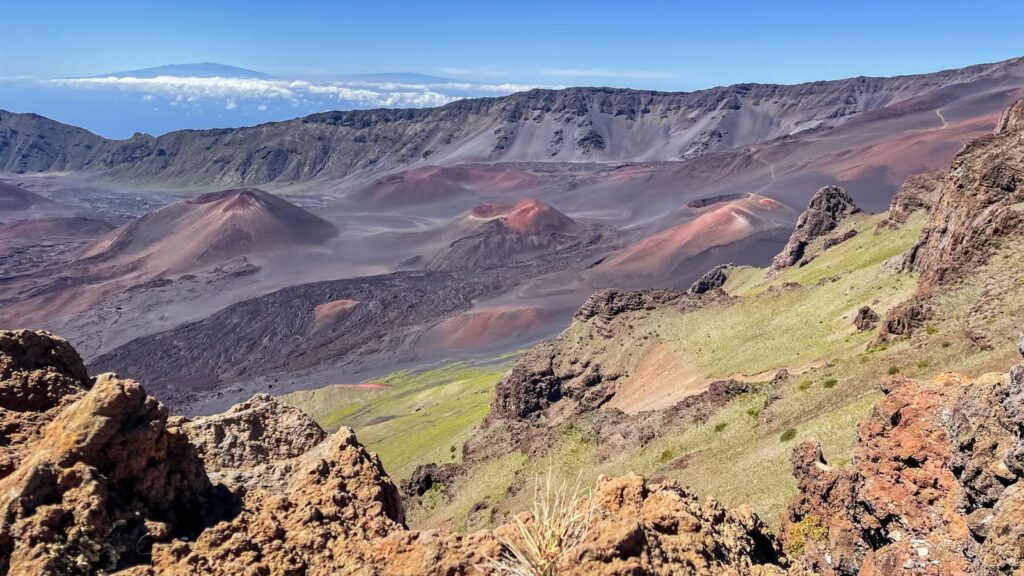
x=659, y=381
x=911, y=152
x=481, y=328
x=333, y=311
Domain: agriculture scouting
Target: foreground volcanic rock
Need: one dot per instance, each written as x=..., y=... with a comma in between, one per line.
x=104, y=480
x=111, y=482
x=934, y=486
x=828, y=207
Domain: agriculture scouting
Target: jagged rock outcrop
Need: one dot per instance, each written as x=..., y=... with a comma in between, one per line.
x=40, y=375
x=662, y=529
x=110, y=474
x=838, y=239
x=901, y=320
x=866, y=319
x=425, y=477
x=713, y=279
x=896, y=505
x=828, y=207
x=918, y=192
x=980, y=203
x=251, y=443
x=934, y=486
x=603, y=306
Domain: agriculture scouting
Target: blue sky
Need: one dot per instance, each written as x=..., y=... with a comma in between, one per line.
x=654, y=44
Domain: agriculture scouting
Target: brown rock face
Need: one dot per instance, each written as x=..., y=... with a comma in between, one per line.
x=335, y=500
x=979, y=203
x=900, y=493
x=662, y=529
x=104, y=479
x=934, y=487
x=919, y=192
x=39, y=375
x=243, y=446
x=1012, y=119
x=828, y=207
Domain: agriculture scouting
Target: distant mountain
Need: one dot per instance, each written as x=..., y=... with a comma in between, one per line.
x=570, y=125
x=199, y=70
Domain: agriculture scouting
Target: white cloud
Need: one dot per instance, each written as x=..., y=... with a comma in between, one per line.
x=193, y=90
x=607, y=73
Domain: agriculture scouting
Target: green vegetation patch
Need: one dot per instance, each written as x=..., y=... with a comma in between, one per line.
x=416, y=419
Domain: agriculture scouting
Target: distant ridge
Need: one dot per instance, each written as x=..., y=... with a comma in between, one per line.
x=197, y=70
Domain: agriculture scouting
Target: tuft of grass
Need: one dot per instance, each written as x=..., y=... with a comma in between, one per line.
x=893, y=370
x=721, y=426
x=559, y=523
x=788, y=435
x=931, y=329
x=805, y=385
x=666, y=456
x=830, y=383
x=924, y=363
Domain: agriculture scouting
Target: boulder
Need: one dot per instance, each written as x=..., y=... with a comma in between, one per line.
x=866, y=319
x=713, y=279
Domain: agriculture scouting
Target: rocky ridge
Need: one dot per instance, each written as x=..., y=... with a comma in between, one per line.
x=566, y=125
x=934, y=486
x=828, y=207
x=979, y=203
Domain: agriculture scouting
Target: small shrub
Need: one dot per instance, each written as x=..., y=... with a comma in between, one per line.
x=720, y=426
x=880, y=347
x=893, y=370
x=805, y=385
x=924, y=363
x=946, y=344
x=931, y=329
x=810, y=528
x=666, y=456
x=452, y=449
x=830, y=383
x=788, y=435
x=754, y=411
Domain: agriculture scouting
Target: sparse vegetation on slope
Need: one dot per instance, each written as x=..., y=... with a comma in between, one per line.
x=801, y=320
x=409, y=417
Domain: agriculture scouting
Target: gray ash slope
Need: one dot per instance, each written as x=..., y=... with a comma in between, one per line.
x=574, y=124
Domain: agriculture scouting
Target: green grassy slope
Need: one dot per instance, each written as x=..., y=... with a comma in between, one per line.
x=423, y=416
x=801, y=320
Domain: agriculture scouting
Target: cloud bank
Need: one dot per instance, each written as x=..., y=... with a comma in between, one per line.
x=294, y=92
